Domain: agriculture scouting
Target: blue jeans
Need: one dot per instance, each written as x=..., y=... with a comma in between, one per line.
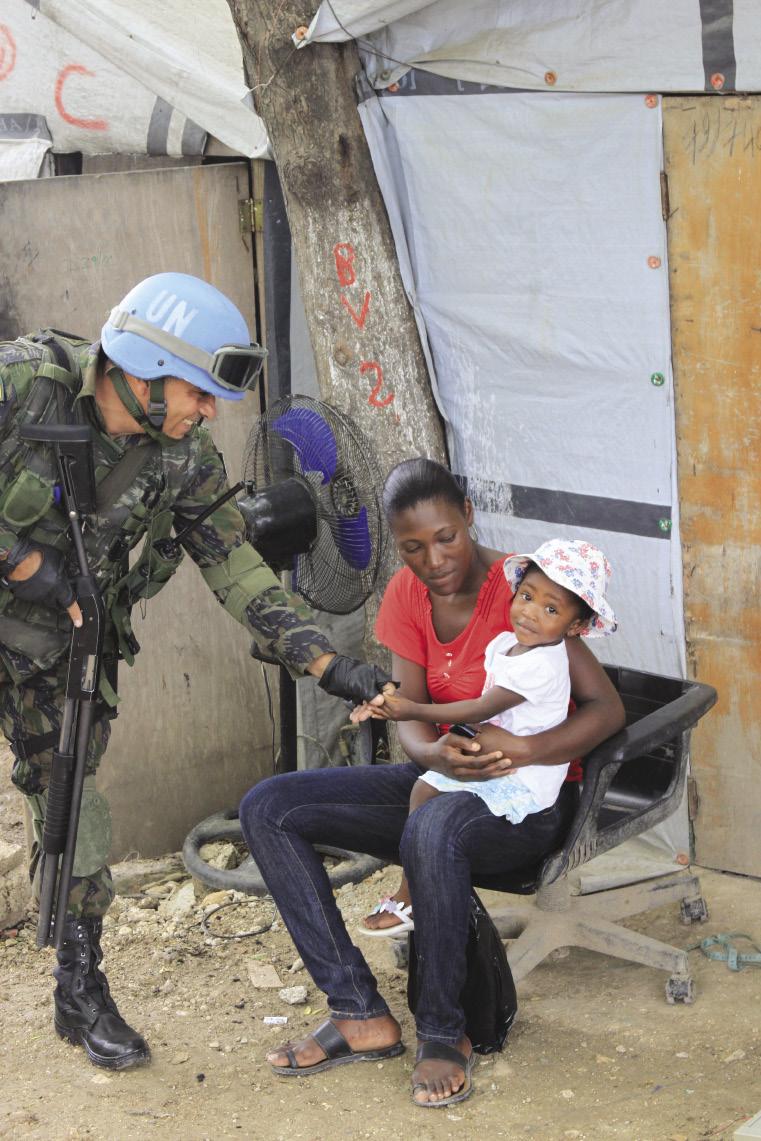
x=365, y=809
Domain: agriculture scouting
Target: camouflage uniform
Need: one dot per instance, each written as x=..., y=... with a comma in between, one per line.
x=177, y=481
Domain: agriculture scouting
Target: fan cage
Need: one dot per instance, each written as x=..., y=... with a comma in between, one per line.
x=306, y=439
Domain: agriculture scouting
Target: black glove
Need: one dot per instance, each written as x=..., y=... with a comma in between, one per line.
x=49, y=584
x=353, y=680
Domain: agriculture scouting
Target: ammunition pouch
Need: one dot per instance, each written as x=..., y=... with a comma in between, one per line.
x=26, y=500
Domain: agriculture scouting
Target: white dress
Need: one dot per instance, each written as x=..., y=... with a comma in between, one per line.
x=541, y=676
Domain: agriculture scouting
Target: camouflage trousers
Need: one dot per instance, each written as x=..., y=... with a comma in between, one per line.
x=30, y=711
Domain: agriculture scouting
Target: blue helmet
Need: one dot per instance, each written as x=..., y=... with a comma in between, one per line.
x=173, y=324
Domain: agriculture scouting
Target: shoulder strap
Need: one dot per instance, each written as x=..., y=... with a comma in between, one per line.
x=63, y=368
x=123, y=474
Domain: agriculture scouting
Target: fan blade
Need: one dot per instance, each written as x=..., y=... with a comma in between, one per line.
x=311, y=438
x=353, y=539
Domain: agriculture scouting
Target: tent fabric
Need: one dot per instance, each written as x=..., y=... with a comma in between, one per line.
x=537, y=271
x=134, y=79
x=560, y=45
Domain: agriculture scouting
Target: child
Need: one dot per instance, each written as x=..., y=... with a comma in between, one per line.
x=559, y=593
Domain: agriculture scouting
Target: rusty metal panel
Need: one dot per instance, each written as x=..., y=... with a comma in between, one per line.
x=713, y=161
x=194, y=730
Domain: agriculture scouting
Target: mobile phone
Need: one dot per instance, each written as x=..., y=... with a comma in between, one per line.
x=463, y=730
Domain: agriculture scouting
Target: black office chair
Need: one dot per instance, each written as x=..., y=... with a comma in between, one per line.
x=631, y=782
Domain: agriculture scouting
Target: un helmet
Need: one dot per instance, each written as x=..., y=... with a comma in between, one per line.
x=174, y=324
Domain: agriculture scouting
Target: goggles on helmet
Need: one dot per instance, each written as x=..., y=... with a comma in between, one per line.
x=234, y=367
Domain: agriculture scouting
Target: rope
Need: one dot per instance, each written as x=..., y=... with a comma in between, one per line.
x=728, y=952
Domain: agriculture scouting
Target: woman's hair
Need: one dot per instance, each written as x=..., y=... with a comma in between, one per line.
x=418, y=481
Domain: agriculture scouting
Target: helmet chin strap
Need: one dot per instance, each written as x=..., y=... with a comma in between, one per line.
x=151, y=421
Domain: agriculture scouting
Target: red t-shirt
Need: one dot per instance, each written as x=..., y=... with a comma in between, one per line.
x=454, y=670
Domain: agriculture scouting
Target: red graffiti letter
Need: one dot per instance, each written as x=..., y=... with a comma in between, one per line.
x=343, y=256
x=373, y=398
x=7, y=51
x=86, y=124
x=358, y=318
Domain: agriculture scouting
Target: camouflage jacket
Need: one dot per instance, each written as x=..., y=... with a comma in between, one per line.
x=178, y=480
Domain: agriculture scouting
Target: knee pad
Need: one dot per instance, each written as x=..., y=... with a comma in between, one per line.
x=94, y=832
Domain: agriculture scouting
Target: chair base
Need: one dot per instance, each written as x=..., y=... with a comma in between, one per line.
x=556, y=919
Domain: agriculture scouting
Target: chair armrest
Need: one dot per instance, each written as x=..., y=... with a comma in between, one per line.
x=664, y=724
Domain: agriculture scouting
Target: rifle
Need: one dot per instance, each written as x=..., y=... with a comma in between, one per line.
x=72, y=444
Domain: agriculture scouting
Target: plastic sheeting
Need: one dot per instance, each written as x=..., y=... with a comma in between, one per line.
x=536, y=266
x=561, y=45
x=140, y=78
x=24, y=147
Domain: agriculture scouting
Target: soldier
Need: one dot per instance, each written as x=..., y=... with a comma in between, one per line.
x=171, y=348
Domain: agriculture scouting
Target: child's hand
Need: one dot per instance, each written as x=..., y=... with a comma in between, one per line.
x=385, y=707
x=396, y=708
x=369, y=710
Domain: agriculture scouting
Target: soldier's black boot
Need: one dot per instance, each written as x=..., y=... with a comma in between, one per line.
x=85, y=1013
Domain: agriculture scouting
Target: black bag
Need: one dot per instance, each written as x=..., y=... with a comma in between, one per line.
x=488, y=997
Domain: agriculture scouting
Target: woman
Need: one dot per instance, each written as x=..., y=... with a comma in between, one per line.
x=439, y=612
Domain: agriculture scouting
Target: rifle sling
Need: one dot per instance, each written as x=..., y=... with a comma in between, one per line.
x=123, y=474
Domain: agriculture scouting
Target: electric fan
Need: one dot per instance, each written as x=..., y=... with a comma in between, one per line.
x=311, y=508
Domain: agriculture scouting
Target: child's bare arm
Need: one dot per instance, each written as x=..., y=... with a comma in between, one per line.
x=497, y=700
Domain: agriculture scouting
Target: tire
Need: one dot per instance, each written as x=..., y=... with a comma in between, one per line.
x=353, y=866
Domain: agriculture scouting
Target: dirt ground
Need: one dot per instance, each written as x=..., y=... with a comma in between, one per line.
x=596, y=1052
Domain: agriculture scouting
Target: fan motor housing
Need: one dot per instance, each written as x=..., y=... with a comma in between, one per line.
x=281, y=521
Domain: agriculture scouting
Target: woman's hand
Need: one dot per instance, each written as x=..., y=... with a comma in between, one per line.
x=493, y=739
x=464, y=759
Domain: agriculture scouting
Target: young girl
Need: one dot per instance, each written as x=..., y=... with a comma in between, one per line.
x=559, y=592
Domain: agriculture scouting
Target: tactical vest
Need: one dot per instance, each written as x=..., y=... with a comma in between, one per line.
x=30, y=506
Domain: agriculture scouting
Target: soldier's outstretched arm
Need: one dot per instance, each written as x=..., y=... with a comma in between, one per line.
x=281, y=622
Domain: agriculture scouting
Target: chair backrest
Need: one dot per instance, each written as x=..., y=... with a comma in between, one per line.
x=649, y=777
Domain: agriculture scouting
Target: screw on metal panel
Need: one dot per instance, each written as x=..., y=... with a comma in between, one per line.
x=664, y=524
x=657, y=378
x=654, y=262
x=717, y=81
x=651, y=100
x=550, y=78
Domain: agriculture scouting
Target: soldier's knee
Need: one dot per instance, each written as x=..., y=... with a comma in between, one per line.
x=94, y=831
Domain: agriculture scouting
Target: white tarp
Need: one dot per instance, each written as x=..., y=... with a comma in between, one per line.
x=562, y=45
x=536, y=265
x=137, y=78
x=24, y=147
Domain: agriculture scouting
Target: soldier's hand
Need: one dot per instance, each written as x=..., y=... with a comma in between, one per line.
x=353, y=680
x=36, y=572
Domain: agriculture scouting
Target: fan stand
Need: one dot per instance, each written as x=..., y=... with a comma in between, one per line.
x=287, y=500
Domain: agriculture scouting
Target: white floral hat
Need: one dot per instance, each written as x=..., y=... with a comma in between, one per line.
x=580, y=568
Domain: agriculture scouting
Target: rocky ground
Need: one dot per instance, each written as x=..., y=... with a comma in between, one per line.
x=596, y=1052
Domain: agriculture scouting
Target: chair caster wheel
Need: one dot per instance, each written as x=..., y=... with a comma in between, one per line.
x=680, y=988
x=694, y=911
x=401, y=949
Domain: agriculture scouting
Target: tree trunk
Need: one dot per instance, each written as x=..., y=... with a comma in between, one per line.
x=366, y=345
x=363, y=332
